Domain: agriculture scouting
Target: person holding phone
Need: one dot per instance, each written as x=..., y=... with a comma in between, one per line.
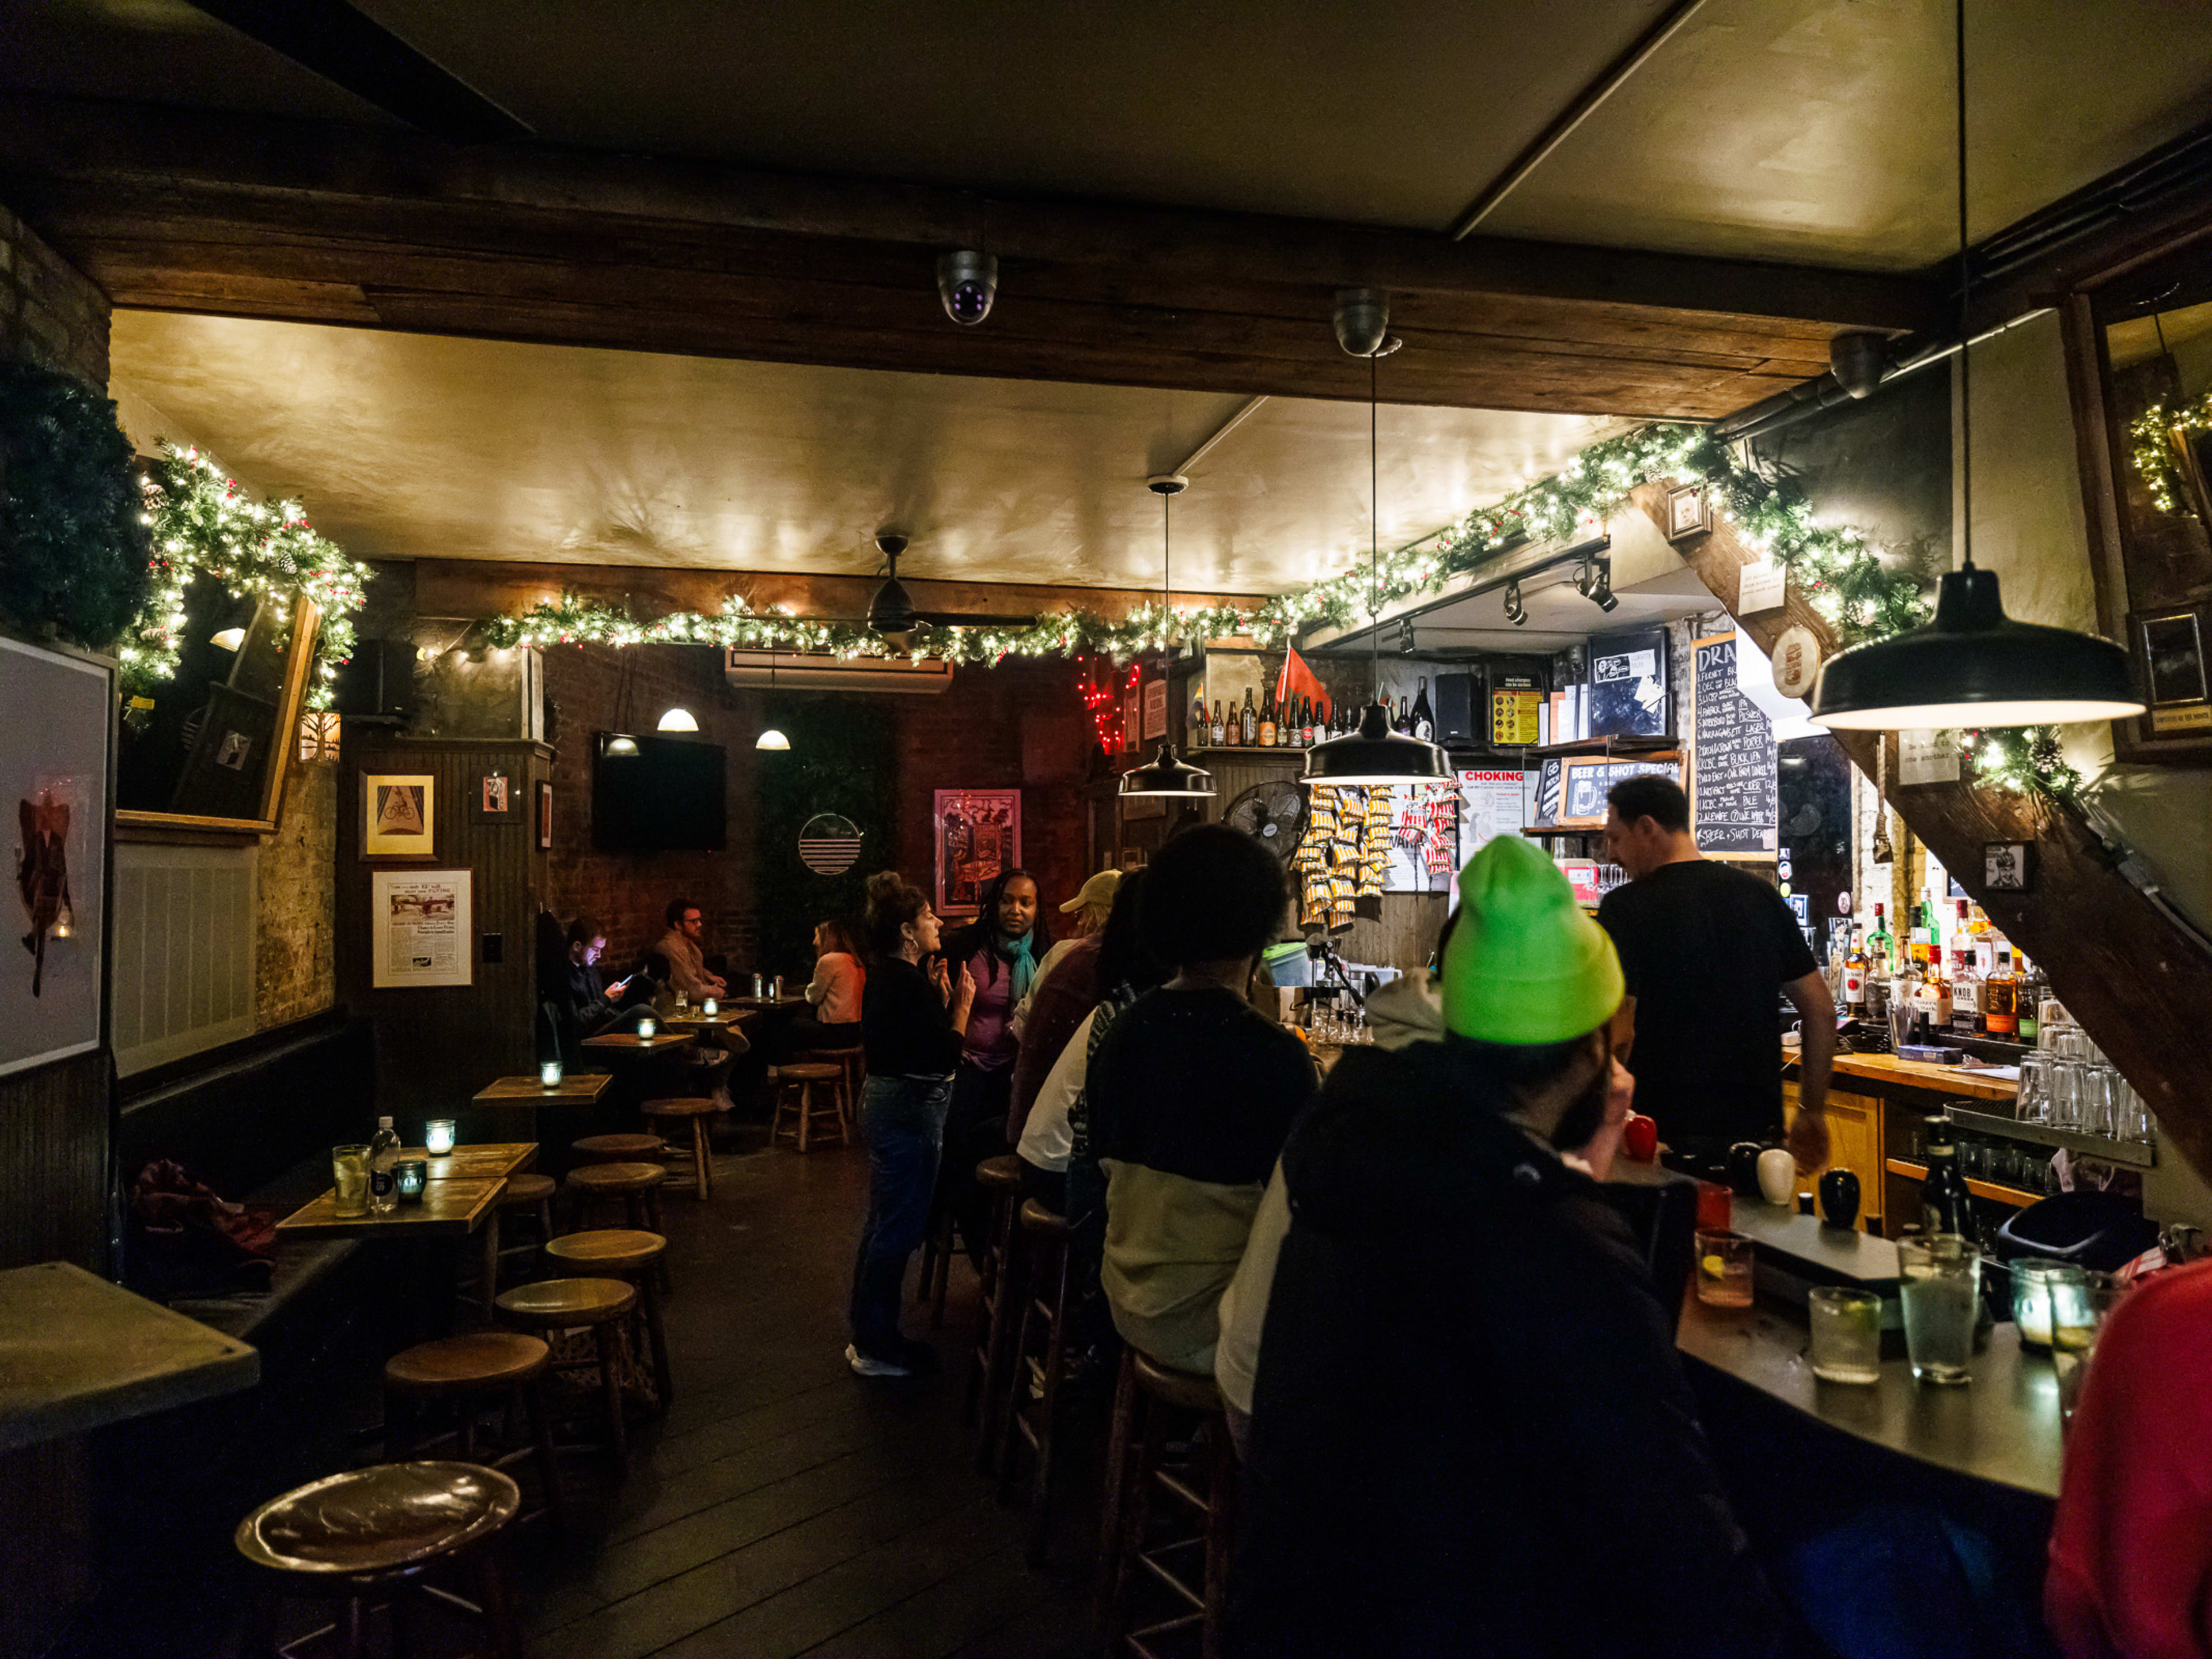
x=591, y=1004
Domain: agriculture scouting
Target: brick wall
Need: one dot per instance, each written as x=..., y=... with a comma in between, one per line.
x=49, y=313
x=295, y=962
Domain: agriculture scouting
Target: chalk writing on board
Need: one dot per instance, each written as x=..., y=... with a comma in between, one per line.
x=1733, y=793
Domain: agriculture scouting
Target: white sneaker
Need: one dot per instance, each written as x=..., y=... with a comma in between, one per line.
x=864, y=1366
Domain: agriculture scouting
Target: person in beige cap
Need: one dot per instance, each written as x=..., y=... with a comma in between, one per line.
x=1469, y=1427
x=1065, y=990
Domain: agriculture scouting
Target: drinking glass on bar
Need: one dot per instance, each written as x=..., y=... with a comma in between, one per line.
x=349, y=1174
x=1941, y=1292
x=1846, y=1334
x=2100, y=1101
x=2031, y=1298
x=2034, y=1102
x=1724, y=1270
x=2066, y=1092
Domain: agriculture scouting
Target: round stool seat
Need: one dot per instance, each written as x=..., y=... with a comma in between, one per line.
x=1037, y=1218
x=614, y=1180
x=525, y=1191
x=459, y=1364
x=1185, y=1388
x=558, y=1304
x=1003, y=1172
x=379, y=1519
x=608, y=1250
x=810, y=1071
x=616, y=1147
x=694, y=1107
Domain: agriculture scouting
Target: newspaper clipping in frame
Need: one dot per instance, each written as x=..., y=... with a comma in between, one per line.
x=422, y=928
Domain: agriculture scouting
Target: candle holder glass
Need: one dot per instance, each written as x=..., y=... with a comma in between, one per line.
x=549, y=1074
x=438, y=1136
x=410, y=1176
x=645, y=1030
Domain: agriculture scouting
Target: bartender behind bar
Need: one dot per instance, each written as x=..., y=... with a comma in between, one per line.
x=1704, y=949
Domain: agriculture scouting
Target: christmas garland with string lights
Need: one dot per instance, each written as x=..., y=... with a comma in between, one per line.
x=72, y=538
x=2152, y=432
x=203, y=525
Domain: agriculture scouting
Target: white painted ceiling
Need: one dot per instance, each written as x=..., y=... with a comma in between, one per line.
x=412, y=446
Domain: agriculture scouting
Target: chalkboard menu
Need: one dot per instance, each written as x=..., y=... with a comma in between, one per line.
x=1732, y=796
x=1588, y=780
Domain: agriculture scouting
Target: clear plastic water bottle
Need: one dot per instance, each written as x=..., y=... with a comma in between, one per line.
x=383, y=1183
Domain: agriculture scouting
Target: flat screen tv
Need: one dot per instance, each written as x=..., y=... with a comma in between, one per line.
x=667, y=796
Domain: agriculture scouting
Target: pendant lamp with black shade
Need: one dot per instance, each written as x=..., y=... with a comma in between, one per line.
x=1375, y=757
x=1972, y=666
x=1164, y=774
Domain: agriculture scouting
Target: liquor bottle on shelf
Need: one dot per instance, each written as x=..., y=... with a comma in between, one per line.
x=2033, y=989
x=1267, y=719
x=1881, y=949
x=1248, y=722
x=1946, y=1207
x=1966, y=986
x=1855, y=977
x=2000, y=999
x=1424, y=717
x=1931, y=999
x=1201, y=729
x=1927, y=947
x=1219, y=731
x=1232, y=731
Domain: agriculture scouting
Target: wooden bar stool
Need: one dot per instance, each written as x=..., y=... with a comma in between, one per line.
x=795, y=1088
x=698, y=1110
x=603, y=1306
x=350, y=1537
x=853, y=1065
x=528, y=1194
x=465, y=1370
x=1040, y=1368
x=1150, y=1399
x=617, y=1149
x=619, y=1253
x=936, y=1265
x=638, y=1186
x=993, y=1360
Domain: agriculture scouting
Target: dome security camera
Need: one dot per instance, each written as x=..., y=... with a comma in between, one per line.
x=966, y=282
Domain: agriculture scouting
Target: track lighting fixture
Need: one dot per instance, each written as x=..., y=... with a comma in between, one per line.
x=1516, y=612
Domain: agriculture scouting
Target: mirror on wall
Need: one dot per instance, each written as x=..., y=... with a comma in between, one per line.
x=209, y=748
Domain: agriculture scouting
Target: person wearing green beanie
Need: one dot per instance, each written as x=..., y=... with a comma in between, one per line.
x=1468, y=1374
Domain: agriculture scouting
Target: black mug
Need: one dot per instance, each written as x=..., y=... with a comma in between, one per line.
x=1839, y=1198
x=1743, y=1168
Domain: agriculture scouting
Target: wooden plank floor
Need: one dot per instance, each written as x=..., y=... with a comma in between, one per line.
x=784, y=1506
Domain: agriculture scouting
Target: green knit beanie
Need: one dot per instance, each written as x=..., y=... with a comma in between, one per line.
x=1524, y=964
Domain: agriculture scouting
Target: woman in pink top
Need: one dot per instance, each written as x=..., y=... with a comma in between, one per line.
x=835, y=990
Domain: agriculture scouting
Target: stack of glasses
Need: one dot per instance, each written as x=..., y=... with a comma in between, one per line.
x=2068, y=1084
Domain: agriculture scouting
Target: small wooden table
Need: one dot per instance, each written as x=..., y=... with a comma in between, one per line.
x=77, y=1353
x=761, y=1005
x=575, y=1089
x=629, y=1043
x=699, y=1024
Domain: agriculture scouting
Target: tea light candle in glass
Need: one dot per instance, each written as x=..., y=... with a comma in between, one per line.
x=411, y=1175
x=708, y=1008
x=438, y=1136
x=645, y=1030
x=550, y=1074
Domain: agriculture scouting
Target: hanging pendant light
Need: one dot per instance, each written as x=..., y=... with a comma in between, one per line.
x=1972, y=666
x=1375, y=757
x=1165, y=774
x=771, y=738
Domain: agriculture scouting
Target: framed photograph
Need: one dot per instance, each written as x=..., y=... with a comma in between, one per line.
x=399, y=815
x=1156, y=709
x=421, y=925
x=494, y=796
x=544, y=817
x=1689, y=513
x=1131, y=719
x=2173, y=658
x=978, y=833
x=2008, y=867
x=55, y=774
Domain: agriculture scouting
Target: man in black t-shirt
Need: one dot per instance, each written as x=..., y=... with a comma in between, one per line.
x=1704, y=948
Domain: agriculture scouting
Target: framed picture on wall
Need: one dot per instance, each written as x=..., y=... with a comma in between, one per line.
x=544, y=817
x=422, y=927
x=54, y=782
x=978, y=833
x=399, y=815
x=495, y=797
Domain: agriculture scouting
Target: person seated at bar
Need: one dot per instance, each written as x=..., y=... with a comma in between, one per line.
x=999, y=951
x=1470, y=1429
x=1191, y=1094
x=687, y=961
x=2130, y=1570
x=913, y=1024
x=833, y=995
x=1066, y=991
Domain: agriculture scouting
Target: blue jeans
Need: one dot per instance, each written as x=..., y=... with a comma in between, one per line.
x=902, y=1121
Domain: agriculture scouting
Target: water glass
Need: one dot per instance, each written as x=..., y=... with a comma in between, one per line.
x=1900, y=1017
x=2071, y=1042
x=2101, y=1090
x=349, y=1174
x=2066, y=1092
x=1724, y=1270
x=1941, y=1293
x=2052, y=1018
x=1847, y=1334
x=2033, y=1103
x=2138, y=1124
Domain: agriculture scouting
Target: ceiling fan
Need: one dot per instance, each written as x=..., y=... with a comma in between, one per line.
x=892, y=610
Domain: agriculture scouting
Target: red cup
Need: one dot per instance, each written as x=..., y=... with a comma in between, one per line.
x=1716, y=1200
x=1639, y=1137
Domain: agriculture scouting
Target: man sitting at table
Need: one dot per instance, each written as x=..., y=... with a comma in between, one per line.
x=587, y=1005
x=1470, y=1430
x=687, y=961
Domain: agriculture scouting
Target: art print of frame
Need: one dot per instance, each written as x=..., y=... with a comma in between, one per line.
x=977, y=834
x=399, y=815
x=544, y=817
x=56, y=779
x=422, y=928
x=496, y=796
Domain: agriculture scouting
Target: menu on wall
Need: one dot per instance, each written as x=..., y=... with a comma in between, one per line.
x=1514, y=703
x=1733, y=797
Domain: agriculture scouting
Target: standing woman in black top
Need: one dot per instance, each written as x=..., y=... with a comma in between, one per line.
x=911, y=1023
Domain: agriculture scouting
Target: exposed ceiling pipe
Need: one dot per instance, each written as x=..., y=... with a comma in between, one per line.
x=1585, y=105
x=1251, y=406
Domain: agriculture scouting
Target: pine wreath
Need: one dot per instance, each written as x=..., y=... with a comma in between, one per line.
x=72, y=535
